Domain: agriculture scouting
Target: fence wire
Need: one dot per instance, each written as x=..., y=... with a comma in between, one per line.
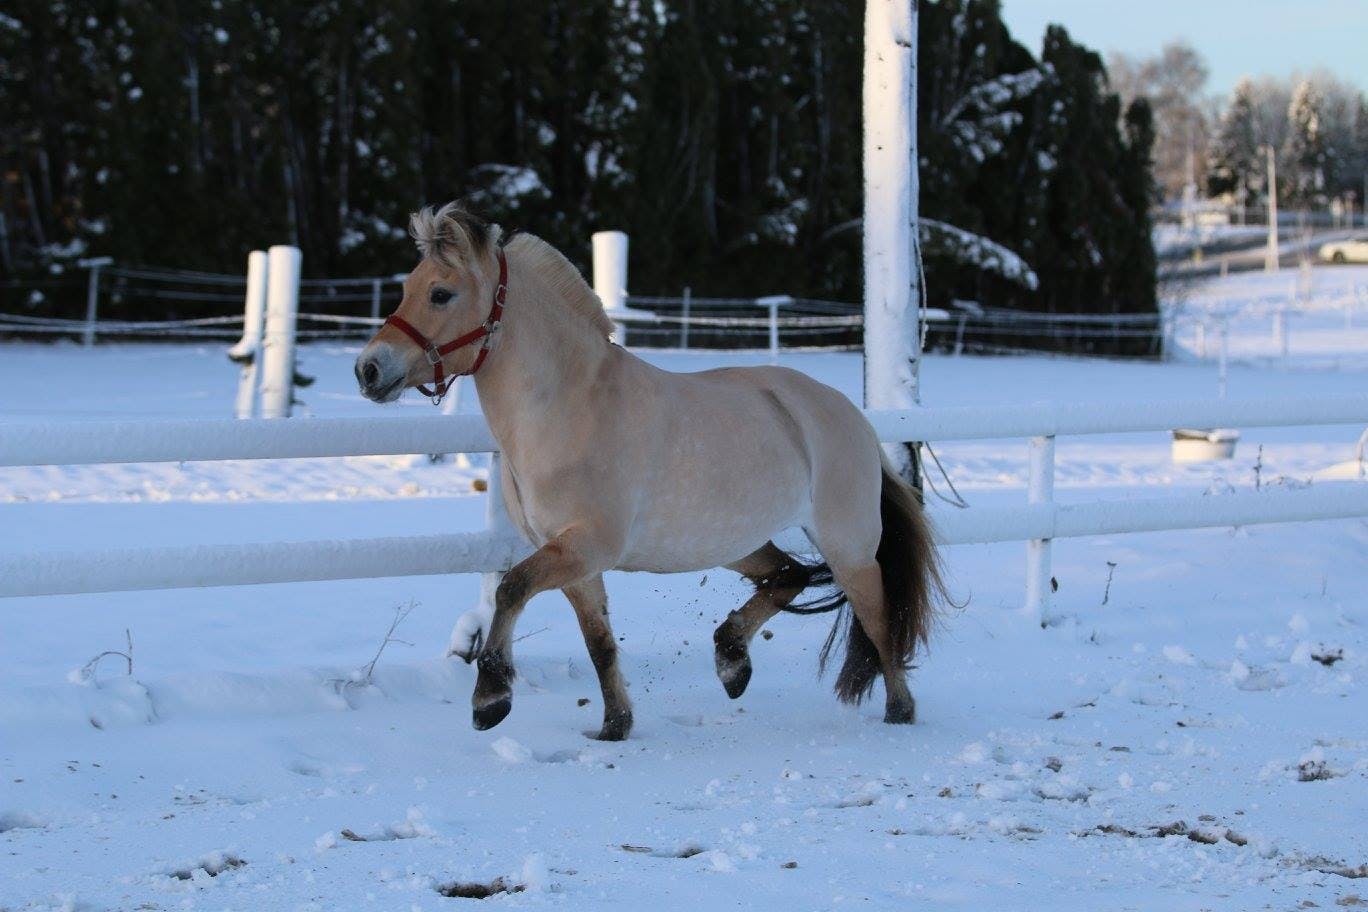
x=202, y=305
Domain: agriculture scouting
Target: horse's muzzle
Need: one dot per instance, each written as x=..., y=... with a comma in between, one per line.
x=380, y=374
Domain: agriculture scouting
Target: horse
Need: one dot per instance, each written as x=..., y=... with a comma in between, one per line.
x=610, y=463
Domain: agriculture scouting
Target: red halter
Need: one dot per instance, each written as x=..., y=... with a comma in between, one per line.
x=435, y=353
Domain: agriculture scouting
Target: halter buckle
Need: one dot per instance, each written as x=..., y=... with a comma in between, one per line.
x=500, y=293
x=433, y=355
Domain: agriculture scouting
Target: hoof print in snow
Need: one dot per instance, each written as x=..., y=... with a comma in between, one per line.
x=460, y=889
x=1328, y=657
x=1314, y=771
x=687, y=850
x=209, y=866
x=19, y=820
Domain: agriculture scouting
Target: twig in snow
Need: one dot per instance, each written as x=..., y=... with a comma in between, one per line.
x=1111, y=571
x=1258, y=470
x=88, y=670
x=365, y=677
x=399, y=615
x=532, y=634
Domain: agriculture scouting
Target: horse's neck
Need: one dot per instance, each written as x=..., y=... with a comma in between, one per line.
x=545, y=355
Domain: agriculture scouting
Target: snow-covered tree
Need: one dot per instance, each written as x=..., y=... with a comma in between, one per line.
x=1304, y=156
x=1234, y=163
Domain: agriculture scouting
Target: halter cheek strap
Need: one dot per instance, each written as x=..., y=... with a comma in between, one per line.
x=441, y=383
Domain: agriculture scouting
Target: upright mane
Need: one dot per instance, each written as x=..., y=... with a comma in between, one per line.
x=454, y=237
x=561, y=278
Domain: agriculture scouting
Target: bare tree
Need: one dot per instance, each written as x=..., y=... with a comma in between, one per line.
x=1174, y=82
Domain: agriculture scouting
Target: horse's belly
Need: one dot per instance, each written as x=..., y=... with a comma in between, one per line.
x=698, y=536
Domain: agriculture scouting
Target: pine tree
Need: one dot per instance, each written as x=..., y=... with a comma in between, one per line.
x=1305, y=152
x=1235, y=165
x=1355, y=175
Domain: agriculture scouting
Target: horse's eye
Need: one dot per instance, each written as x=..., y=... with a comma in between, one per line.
x=440, y=296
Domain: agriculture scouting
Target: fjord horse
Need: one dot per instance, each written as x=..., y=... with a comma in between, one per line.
x=610, y=463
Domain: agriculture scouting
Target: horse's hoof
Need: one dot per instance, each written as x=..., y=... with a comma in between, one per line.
x=615, y=728
x=735, y=677
x=904, y=714
x=491, y=714
x=733, y=665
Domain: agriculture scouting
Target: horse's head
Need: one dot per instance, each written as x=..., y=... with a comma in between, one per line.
x=447, y=296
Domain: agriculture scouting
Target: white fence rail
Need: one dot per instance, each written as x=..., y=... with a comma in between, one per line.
x=1038, y=522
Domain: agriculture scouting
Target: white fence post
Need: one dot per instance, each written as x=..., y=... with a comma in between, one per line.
x=1280, y=330
x=1039, y=582
x=92, y=297
x=375, y=299
x=472, y=628
x=248, y=349
x=610, y=276
x=1223, y=364
x=278, y=350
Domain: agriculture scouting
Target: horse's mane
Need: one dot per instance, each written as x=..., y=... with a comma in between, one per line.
x=453, y=236
x=561, y=278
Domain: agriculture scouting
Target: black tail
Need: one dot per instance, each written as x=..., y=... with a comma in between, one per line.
x=912, y=586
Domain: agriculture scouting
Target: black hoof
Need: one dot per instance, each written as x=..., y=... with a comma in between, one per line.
x=615, y=728
x=733, y=664
x=735, y=678
x=901, y=715
x=491, y=714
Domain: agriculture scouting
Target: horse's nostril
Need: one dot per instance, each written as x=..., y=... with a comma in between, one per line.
x=370, y=373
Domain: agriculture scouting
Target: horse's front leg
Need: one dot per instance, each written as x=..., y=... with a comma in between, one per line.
x=590, y=601
x=566, y=559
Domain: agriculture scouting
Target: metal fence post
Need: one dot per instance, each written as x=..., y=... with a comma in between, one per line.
x=773, y=302
x=278, y=351
x=684, y=319
x=375, y=299
x=1039, y=581
x=92, y=297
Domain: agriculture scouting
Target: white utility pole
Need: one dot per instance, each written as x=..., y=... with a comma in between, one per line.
x=892, y=280
x=1271, y=259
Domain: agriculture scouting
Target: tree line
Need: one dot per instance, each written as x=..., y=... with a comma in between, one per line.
x=724, y=136
x=1316, y=124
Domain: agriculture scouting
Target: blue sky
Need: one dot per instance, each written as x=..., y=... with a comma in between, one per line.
x=1237, y=37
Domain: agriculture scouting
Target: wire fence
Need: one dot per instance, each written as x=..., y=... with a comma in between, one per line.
x=202, y=306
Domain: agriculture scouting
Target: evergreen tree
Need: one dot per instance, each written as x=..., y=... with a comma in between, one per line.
x=1305, y=155
x=1235, y=164
x=723, y=136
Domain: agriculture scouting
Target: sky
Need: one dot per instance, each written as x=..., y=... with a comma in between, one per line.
x=1237, y=37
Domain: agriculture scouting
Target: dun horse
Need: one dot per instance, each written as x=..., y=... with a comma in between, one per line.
x=611, y=463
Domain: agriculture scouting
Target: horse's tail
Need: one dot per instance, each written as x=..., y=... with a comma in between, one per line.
x=912, y=583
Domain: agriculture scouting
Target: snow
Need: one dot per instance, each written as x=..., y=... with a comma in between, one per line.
x=977, y=250
x=1187, y=735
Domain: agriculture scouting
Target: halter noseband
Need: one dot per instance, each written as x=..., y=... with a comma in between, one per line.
x=441, y=383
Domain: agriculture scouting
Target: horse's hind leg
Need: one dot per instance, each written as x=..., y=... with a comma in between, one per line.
x=590, y=601
x=778, y=579
x=869, y=646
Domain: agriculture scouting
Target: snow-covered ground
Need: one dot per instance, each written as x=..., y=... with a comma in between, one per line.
x=1190, y=734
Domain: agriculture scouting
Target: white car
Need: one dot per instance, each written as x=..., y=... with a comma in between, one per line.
x=1352, y=250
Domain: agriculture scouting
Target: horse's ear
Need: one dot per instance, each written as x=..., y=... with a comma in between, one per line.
x=450, y=235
